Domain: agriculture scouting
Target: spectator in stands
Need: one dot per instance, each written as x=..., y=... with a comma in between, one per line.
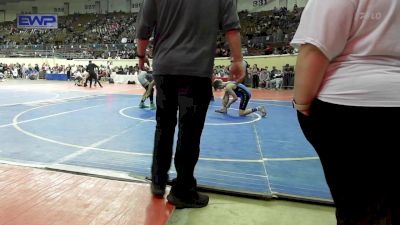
x=15, y=72
x=136, y=68
x=295, y=8
x=68, y=72
x=247, y=79
x=273, y=71
x=182, y=70
x=288, y=76
x=2, y=68
x=32, y=74
x=264, y=77
x=348, y=104
x=236, y=90
x=37, y=67
x=277, y=80
x=255, y=76
x=268, y=50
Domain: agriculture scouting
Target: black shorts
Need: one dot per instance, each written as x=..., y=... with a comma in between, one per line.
x=244, y=100
x=244, y=96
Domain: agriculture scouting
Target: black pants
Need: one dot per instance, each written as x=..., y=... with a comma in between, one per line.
x=151, y=95
x=90, y=78
x=255, y=81
x=190, y=96
x=357, y=147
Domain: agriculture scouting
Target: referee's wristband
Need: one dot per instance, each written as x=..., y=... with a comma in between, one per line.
x=300, y=107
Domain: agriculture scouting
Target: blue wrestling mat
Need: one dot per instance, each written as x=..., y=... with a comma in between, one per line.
x=251, y=155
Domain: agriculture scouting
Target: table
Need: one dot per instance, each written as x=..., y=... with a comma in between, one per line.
x=55, y=76
x=123, y=79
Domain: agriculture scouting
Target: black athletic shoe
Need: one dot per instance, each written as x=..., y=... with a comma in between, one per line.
x=191, y=200
x=158, y=190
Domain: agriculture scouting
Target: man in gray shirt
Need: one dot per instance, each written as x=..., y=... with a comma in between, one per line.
x=185, y=34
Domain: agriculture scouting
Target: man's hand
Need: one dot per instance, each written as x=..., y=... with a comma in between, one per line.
x=143, y=61
x=237, y=71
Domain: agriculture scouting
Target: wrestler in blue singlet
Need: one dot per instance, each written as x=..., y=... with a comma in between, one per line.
x=244, y=94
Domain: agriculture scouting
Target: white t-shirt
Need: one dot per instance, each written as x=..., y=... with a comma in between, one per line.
x=78, y=73
x=361, y=38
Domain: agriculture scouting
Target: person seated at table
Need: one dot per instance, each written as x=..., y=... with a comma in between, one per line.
x=277, y=80
x=32, y=74
x=236, y=90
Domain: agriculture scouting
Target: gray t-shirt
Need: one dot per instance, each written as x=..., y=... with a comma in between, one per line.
x=185, y=33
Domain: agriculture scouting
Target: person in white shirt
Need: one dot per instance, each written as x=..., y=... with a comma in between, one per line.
x=15, y=72
x=347, y=98
x=74, y=68
x=277, y=80
x=78, y=78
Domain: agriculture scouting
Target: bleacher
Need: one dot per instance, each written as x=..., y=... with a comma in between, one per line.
x=269, y=29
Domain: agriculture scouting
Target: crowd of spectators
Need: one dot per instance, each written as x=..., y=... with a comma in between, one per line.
x=255, y=77
x=112, y=35
x=35, y=71
x=271, y=31
x=265, y=33
x=112, y=28
x=261, y=77
x=88, y=35
x=19, y=71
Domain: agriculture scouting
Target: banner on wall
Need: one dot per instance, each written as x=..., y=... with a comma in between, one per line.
x=37, y=21
x=258, y=3
x=136, y=4
x=253, y=5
